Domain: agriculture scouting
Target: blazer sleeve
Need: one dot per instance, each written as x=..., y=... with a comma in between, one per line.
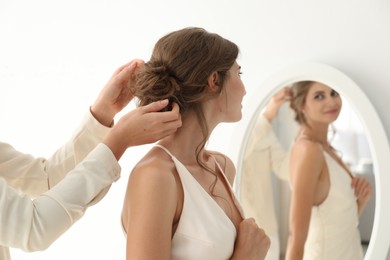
x=34, y=176
x=264, y=140
x=33, y=225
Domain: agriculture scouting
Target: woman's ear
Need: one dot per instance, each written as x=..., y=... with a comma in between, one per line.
x=213, y=82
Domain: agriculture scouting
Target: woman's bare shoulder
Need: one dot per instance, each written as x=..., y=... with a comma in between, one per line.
x=152, y=189
x=306, y=160
x=155, y=165
x=307, y=147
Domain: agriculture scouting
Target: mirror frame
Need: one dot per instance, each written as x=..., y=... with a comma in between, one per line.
x=377, y=139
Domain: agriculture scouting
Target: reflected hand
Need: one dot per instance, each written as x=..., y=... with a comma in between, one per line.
x=277, y=100
x=363, y=191
x=251, y=242
x=116, y=94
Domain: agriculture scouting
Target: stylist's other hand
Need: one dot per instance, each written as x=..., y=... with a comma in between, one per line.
x=143, y=125
x=251, y=243
x=276, y=101
x=116, y=94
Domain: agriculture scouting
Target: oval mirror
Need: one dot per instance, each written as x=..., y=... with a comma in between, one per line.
x=375, y=136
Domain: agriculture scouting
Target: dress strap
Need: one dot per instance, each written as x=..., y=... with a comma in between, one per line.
x=230, y=188
x=165, y=149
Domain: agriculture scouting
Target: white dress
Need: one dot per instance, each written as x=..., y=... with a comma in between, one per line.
x=204, y=230
x=333, y=231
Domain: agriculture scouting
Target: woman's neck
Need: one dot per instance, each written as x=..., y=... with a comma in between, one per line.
x=318, y=133
x=185, y=142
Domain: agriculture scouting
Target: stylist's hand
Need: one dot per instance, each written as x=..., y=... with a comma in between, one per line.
x=277, y=100
x=252, y=243
x=116, y=94
x=143, y=125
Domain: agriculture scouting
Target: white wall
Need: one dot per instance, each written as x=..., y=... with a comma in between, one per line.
x=55, y=56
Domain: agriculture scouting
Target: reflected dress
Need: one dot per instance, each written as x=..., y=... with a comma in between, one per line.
x=333, y=231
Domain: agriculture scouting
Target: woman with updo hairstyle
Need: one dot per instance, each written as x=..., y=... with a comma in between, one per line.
x=299, y=92
x=326, y=198
x=179, y=202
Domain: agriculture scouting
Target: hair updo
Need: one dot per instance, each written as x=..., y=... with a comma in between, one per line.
x=299, y=93
x=180, y=65
x=178, y=70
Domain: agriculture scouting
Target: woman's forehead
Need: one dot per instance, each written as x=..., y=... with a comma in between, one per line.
x=318, y=86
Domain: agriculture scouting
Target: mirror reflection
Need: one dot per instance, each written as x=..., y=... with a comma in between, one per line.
x=323, y=123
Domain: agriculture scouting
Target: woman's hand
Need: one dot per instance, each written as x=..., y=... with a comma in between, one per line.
x=277, y=100
x=363, y=192
x=251, y=242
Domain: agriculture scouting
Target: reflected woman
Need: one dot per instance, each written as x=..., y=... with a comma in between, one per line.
x=326, y=199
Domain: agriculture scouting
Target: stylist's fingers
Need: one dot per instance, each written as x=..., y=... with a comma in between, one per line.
x=169, y=128
x=172, y=118
x=166, y=116
x=134, y=66
x=174, y=114
x=118, y=70
x=129, y=65
x=155, y=106
x=127, y=73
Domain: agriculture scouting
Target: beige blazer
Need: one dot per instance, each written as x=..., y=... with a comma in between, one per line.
x=263, y=156
x=33, y=225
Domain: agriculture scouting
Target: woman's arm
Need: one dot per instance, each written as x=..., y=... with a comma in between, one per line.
x=262, y=135
x=306, y=163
